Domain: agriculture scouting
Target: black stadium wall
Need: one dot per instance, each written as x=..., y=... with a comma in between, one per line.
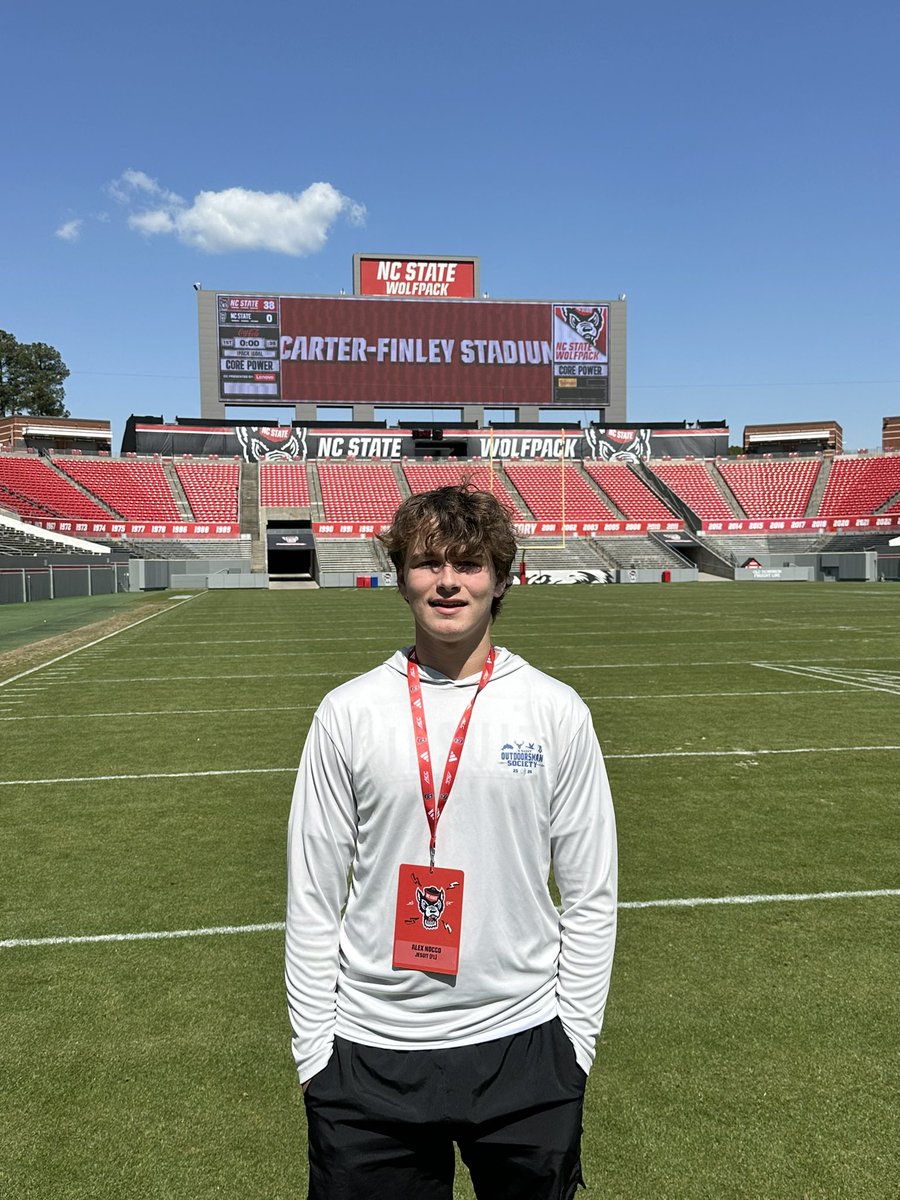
x=301, y=443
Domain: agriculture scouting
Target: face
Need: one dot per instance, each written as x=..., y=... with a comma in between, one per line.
x=450, y=595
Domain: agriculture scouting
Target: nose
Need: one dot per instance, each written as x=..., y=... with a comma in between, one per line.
x=446, y=580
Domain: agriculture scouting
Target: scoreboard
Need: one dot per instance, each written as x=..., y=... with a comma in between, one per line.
x=261, y=349
x=581, y=355
x=249, y=341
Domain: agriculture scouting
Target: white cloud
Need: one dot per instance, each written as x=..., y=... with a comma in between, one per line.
x=132, y=183
x=237, y=218
x=155, y=221
x=70, y=231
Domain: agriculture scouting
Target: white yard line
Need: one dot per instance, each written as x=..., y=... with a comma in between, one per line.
x=278, y=926
x=754, y=753
x=96, y=642
x=149, y=775
x=176, y=712
x=595, y=666
x=270, y=708
x=285, y=770
x=832, y=675
x=773, y=898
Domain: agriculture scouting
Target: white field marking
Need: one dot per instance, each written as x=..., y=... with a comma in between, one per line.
x=292, y=770
x=96, y=642
x=175, y=712
x=270, y=708
x=754, y=753
x=604, y=666
x=891, y=679
x=574, y=640
x=280, y=654
x=722, y=662
x=151, y=775
x=810, y=691
x=774, y=898
x=150, y=936
x=102, y=682
x=278, y=926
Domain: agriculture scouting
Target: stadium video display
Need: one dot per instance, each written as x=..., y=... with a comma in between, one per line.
x=360, y=350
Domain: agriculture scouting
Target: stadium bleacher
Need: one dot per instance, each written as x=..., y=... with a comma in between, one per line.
x=137, y=489
x=540, y=484
x=358, y=491
x=31, y=483
x=144, y=489
x=861, y=485
x=692, y=482
x=424, y=476
x=283, y=485
x=772, y=488
x=629, y=493
x=211, y=489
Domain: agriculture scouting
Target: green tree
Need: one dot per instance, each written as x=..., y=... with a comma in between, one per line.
x=31, y=379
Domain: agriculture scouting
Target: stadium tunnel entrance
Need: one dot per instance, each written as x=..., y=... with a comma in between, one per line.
x=290, y=550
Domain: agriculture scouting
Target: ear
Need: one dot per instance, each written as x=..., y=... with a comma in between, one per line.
x=401, y=585
x=499, y=588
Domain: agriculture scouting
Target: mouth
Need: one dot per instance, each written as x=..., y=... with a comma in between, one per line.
x=447, y=604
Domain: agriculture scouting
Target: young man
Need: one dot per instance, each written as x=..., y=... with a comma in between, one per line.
x=436, y=993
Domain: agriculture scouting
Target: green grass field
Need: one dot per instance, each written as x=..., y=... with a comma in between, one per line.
x=750, y=1050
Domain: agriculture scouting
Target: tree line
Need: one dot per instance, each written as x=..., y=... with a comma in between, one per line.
x=32, y=375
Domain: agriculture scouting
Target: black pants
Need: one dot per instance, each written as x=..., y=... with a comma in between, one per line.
x=382, y=1123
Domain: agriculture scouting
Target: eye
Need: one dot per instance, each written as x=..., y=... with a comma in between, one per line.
x=469, y=566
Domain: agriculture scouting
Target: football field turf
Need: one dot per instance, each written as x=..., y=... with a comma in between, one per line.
x=752, y=735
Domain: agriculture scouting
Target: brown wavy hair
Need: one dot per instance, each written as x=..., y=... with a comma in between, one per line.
x=459, y=519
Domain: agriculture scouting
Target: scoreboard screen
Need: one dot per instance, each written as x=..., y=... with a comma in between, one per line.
x=403, y=351
x=249, y=346
x=581, y=355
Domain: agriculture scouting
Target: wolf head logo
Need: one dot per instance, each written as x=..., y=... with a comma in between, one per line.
x=619, y=445
x=271, y=445
x=586, y=322
x=431, y=905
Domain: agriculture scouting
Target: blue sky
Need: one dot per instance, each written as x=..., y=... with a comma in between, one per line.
x=732, y=168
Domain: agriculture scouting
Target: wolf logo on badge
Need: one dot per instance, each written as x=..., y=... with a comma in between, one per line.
x=431, y=905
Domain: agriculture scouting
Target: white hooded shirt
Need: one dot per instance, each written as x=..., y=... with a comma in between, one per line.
x=531, y=790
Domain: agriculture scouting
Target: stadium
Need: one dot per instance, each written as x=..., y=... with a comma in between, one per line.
x=172, y=610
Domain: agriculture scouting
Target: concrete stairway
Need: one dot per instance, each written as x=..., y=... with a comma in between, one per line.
x=250, y=515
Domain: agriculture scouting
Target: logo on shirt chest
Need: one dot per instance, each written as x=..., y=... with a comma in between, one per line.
x=522, y=758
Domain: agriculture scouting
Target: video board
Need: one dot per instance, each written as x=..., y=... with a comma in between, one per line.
x=360, y=350
x=426, y=276
x=249, y=331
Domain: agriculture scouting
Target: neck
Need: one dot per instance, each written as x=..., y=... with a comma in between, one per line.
x=457, y=660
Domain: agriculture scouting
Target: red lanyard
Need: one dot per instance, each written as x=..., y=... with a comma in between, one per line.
x=423, y=753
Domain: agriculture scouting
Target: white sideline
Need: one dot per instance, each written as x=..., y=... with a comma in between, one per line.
x=292, y=770
x=278, y=926
x=97, y=641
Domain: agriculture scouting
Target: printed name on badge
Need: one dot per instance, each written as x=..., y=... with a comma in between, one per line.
x=428, y=923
